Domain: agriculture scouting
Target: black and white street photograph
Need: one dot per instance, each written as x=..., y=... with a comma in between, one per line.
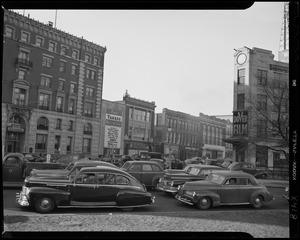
x=163, y=119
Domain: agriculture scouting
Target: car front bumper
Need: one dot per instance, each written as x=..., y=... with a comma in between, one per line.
x=22, y=199
x=167, y=188
x=184, y=199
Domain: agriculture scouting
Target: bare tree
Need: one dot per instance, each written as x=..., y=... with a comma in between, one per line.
x=269, y=106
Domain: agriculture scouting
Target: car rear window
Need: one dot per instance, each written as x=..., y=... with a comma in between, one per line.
x=125, y=165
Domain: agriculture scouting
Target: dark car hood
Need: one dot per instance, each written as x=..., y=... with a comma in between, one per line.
x=200, y=184
x=50, y=172
x=47, y=181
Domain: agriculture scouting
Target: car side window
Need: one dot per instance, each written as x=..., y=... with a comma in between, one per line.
x=86, y=178
x=121, y=180
x=108, y=179
x=147, y=168
x=231, y=181
x=135, y=168
x=12, y=161
x=155, y=168
x=205, y=172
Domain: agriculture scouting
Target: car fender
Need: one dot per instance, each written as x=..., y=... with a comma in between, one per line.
x=129, y=197
x=156, y=178
x=58, y=195
x=215, y=198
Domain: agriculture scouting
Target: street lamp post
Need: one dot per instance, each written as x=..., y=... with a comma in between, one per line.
x=169, y=140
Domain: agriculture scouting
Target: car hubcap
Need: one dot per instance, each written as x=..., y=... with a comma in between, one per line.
x=257, y=201
x=204, y=202
x=45, y=203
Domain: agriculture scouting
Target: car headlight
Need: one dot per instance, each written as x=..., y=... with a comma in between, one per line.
x=172, y=183
x=287, y=189
x=160, y=180
x=194, y=193
x=25, y=190
x=178, y=188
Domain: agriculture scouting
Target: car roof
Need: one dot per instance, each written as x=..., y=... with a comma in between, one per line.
x=105, y=168
x=92, y=163
x=206, y=166
x=14, y=154
x=227, y=173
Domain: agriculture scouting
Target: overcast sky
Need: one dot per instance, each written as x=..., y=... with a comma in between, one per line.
x=180, y=59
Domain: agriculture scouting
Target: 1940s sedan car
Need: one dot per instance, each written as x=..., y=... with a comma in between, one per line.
x=224, y=188
x=170, y=181
x=249, y=168
x=92, y=187
x=70, y=171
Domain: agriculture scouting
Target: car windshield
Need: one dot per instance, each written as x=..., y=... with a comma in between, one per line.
x=194, y=171
x=125, y=165
x=69, y=167
x=215, y=178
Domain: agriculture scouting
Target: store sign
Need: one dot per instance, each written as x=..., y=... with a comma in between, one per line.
x=113, y=130
x=14, y=127
x=240, y=122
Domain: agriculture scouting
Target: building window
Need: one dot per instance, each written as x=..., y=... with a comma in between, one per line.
x=87, y=58
x=75, y=54
x=57, y=143
x=241, y=76
x=41, y=142
x=25, y=36
x=87, y=129
x=39, y=41
x=241, y=101
x=261, y=128
x=46, y=81
x=23, y=55
x=19, y=96
x=89, y=92
x=69, y=144
x=86, y=148
x=96, y=61
x=47, y=62
x=70, y=125
x=88, y=109
x=73, y=88
x=52, y=46
x=90, y=74
x=22, y=73
x=61, y=85
x=59, y=104
x=71, y=108
x=74, y=70
x=131, y=112
x=63, y=50
x=62, y=66
x=44, y=101
x=261, y=77
x=9, y=31
x=43, y=123
x=261, y=102
x=58, y=123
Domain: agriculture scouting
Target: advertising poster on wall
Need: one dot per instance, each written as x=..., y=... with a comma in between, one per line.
x=113, y=129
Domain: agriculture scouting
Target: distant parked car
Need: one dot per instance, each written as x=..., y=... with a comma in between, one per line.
x=33, y=157
x=226, y=163
x=65, y=160
x=124, y=159
x=70, y=171
x=147, y=172
x=113, y=158
x=249, y=168
x=194, y=160
x=96, y=187
x=159, y=161
x=224, y=188
x=175, y=164
x=170, y=181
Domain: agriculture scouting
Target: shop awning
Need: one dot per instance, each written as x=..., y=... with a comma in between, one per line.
x=235, y=140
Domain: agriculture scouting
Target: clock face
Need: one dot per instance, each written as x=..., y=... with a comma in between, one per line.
x=241, y=59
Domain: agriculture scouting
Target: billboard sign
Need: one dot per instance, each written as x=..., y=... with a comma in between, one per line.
x=113, y=129
x=240, y=122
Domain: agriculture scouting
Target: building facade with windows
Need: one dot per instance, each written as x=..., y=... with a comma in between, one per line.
x=51, y=89
x=139, y=125
x=185, y=136
x=260, y=100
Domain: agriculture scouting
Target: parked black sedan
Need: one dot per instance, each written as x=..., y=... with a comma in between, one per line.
x=249, y=168
x=170, y=181
x=224, y=188
x=95, y=187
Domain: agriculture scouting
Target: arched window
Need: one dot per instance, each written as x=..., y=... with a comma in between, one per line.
x=88, y=129
x=43, y=123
